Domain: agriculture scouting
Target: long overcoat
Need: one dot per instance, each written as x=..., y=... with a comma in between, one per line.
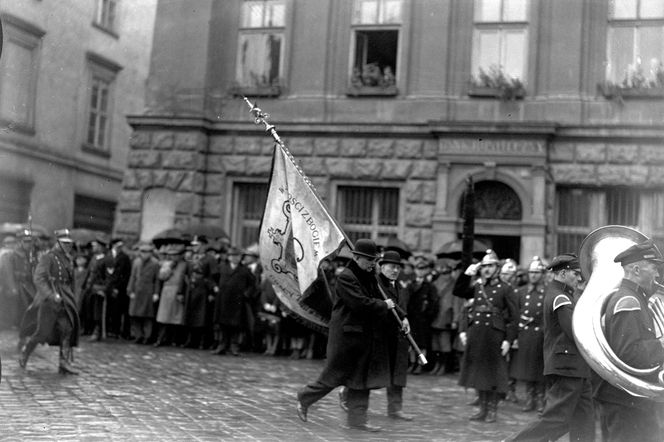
x=234, y=286
x=173, y=292
x=54, y=274
x=143, y=283
x=357, y=352
x=396, y=342
x=421, y=298
x=490, y=323
x=527, y=363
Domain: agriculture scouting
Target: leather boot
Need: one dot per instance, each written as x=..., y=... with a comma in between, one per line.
x=539, y=399
x=482, y=413
x=530, y=398
x=27, y=348
x=66, y=359
x=492, y=407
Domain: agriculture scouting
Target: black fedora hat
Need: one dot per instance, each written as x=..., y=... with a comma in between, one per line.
x=390, y=257
x=366, y=247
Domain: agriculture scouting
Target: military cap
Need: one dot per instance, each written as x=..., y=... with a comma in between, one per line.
x=366, y=247
x=63, y=235
x=646, y=251
x=566, y=261
x=24, y=234
x=390, y=257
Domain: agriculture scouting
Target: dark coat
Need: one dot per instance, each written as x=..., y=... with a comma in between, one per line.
x=357, y=352
x=422, y=299
x=54, y=274
x=144, y=284
x=629, y=330
x=121, y=271
x=491, y=322
x=396, y=342
x=234, y=286
x=196, y=300
x=527, y=363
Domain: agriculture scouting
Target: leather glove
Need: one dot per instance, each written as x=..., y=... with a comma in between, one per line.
x=472, y=269
x=463, y=338
x=504, y=348
x=406, y=325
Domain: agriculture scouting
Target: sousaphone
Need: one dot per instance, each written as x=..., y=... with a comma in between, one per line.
x=596, y=256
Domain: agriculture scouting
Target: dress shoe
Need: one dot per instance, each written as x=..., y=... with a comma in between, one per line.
x=342, y=400
x=67, y=368
x=364, y=427
x=400, y=415
x=301, y=411
x=475, y=402
x=139, y=340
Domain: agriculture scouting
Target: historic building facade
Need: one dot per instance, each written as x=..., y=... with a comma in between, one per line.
x=70, y=71
x=553, y=107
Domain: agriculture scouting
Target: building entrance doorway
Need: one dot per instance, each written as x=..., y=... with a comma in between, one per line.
x=504, y=246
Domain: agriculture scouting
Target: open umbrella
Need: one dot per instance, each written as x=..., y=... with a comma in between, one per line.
x=394, y=243
x=454, y=248
x=170, y=236
x=14, y=228
x=210, y=231
x=85, y=236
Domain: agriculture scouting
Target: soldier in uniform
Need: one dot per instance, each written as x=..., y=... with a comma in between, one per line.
x=488, y=334
x=53, y=318
x=629, y=330
x=22, y=262
x=569, y=406
x=527, y=364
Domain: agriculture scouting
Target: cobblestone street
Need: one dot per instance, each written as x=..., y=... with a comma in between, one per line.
x=130, y=392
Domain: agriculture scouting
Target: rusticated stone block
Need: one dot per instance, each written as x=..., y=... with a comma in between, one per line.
x=140, y=140
x=419, y=215
x=187, y=182
x=128, y=222
x=312, y=166
x=426, y=240
x=408, y=148
x=175, y=179
x=424, y=169
x=162, y=140
x=259, y=166
x=190, y=141
x=396, y=169
x=226, y=163
x=339, y=167
x=214, y=206
x=355, y=147
x=429, y=191
x=221, y=145
x=562, y=152
x=301, y=146
x=144, y=159
x=180, y=160
x=248, y=145
x=412, y=238
x=574, y=173
x=380, y=148
x=413, y=190
x=321, y=184
x=160, y=178
x=655, y=176
x=622, y=175
x=131, y=200
x=129, y=180
x=622, y=154
x=369, y=169
x=326, y=147
x=197, y=182
x=267, y=146
x=652, y=154
x=216, y=183
x=184, y=202
x=430, y=149
x=591, y=153
x=145, y=178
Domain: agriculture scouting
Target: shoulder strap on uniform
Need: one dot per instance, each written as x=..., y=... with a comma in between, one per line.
x=627, y=304
x=561, y=301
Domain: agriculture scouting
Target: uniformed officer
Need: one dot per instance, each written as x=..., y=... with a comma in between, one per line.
x=630, y=332
x=569, y=406
x=527, y=364
x=53, y=317
x=487, y=335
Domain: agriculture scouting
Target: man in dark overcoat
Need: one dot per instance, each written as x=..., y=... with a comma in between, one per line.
x=52, y=318
x=235, y=285
x=22, y=263
x=489, y=333
x=143, y=290
x=118, y=301
x=420, y=298
x=95, y=290
x=357, y=350
x=629, y=330
x=527, y=363
x=569, y=407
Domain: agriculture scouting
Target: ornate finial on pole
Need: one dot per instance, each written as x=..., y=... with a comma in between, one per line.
x=261, y=117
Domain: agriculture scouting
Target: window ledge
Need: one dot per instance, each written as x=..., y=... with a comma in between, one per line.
x=372, y=91
x=103, y=28
x=494, y=92
x=17, y=127
x=256, y=91
x=89, y=148
x=646, y=93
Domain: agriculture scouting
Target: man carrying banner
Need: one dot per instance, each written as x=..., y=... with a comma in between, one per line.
x=357, y=351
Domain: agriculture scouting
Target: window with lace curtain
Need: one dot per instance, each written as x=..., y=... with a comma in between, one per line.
x=248, y=207
x=368, y=212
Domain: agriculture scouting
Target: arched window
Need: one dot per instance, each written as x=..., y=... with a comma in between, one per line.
x=494, y=200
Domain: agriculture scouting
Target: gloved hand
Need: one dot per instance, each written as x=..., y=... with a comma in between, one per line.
x=515, y=344
x=463, y=338
x=472, y=269
x=390, y=303
x=406, y=325
x=504, y=348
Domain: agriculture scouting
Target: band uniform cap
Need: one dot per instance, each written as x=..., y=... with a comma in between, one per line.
x=646, y=251
x=509, y=266
x=390, y=257
x=366, y=247
x=566, y=261
x=24, y=234
x=536, y=265
x=490, y=258
x=63, y=235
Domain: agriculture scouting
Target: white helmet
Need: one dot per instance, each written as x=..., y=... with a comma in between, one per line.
x=489, y=258
x=536, y=265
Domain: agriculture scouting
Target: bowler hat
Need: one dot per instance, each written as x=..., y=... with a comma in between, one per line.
x=365, y=247
x=390, y=257
x=566, y=261
x=646, y=251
